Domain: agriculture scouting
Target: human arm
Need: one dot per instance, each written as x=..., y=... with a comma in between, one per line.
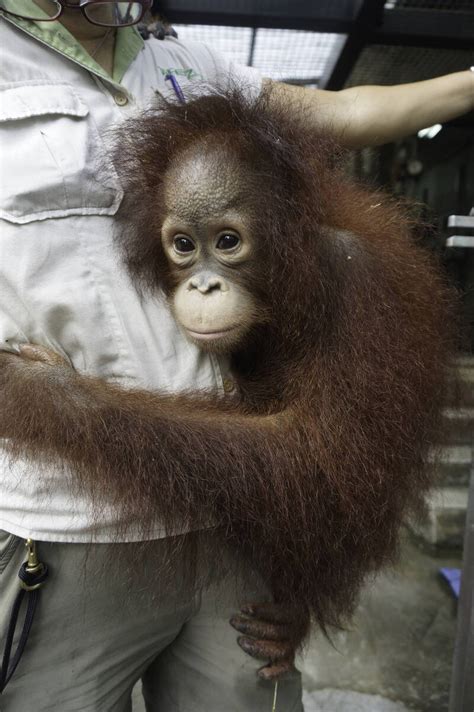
x=373, y=115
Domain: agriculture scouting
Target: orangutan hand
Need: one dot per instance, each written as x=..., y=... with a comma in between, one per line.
x=274, y=632
x=23, y=371
x=28, y=353
x=29, y=380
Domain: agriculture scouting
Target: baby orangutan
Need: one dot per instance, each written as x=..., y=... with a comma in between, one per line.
x=335, y=324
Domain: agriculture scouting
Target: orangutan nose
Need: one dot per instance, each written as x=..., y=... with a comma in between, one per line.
x=206, y=282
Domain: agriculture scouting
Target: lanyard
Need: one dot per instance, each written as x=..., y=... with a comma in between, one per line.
x=32, y=575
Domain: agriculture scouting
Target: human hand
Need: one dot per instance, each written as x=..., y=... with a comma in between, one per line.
x=274, y=632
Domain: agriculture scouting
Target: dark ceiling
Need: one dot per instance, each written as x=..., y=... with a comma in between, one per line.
x=381, y=41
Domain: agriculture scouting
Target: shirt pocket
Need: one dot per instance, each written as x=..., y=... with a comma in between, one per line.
x=8, y=545
x=54, y=163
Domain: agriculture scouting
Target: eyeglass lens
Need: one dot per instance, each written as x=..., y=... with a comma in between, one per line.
x=116, y=14
x=109, y=14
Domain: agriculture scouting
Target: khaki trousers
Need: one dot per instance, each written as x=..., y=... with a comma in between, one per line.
x=100, y=626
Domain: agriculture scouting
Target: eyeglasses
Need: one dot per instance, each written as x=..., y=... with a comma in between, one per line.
x=98, y=12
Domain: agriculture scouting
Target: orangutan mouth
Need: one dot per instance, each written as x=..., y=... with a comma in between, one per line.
x=209, y=335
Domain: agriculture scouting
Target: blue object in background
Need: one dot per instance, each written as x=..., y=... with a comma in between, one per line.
x=453, y=577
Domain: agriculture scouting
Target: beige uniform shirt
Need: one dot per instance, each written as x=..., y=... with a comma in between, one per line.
x=61, y=281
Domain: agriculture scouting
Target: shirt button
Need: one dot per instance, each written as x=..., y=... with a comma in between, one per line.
x=121, y=99
x=229, y=385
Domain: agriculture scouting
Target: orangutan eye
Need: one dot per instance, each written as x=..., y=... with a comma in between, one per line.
x=183, y=244
x=227, y=242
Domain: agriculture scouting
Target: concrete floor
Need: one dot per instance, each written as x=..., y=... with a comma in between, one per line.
x=401, y=641
x=327, y=701
x=397, y=655
x=348, y=701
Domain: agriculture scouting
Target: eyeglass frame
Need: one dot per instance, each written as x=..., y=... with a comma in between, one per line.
x=81, y=5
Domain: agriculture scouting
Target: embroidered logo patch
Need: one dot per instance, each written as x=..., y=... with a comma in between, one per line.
x=180, y=72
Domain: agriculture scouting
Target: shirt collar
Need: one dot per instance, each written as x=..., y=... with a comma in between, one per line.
x=128, y=42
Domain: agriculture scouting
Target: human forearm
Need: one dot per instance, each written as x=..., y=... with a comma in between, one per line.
x=373, y=115
x=382, y=114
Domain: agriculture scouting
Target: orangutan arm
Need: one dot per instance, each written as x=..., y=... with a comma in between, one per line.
x=306, y=521
x=103, y=430
x=181, y=452
x=126, y=444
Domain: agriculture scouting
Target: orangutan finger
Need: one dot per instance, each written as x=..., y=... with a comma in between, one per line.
x=260, y=629
x=271, y=612
x=277, y=671
x=35, y=352
x=266, y=650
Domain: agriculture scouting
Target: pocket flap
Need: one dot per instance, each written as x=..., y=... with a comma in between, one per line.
x=22, y=101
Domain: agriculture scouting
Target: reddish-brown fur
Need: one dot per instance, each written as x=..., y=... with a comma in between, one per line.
x=311, y=471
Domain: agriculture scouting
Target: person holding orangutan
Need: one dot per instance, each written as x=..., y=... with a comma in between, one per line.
x=222, y=362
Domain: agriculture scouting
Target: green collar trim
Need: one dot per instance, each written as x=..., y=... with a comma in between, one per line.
x=128, y=44
x=128, y=41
